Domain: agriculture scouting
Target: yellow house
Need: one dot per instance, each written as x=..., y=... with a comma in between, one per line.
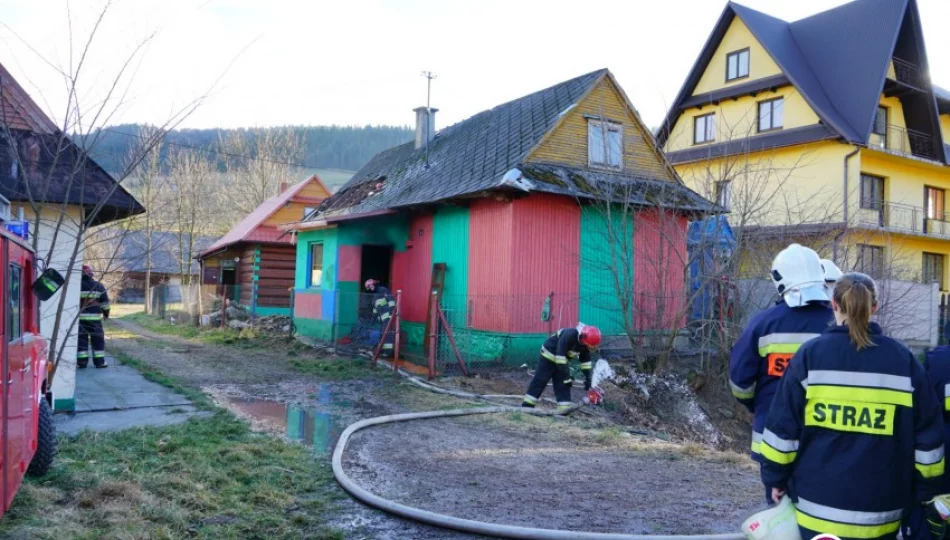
x=825, y=130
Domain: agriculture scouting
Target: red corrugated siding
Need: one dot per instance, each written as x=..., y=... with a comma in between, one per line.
x=308, y=305
x=350, y=258
x=490, y=264
x=412, y=270
x=547, y=252
x=660, y=262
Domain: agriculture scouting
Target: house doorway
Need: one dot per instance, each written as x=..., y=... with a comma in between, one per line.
x=376, y=263
x=228, y=282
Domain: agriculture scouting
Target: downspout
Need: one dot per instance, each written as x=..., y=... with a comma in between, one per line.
x=845, y=186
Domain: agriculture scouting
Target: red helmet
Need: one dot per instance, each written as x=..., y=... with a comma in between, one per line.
x=370, y=284
x=590, y=336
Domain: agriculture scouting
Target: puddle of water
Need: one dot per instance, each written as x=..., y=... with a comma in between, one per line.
x=314, y=426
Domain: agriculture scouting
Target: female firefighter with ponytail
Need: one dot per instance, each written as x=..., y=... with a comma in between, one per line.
x=855, y=432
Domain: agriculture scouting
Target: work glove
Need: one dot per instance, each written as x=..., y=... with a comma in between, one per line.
x=936, y=512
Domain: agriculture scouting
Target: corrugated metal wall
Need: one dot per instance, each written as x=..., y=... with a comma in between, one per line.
x=660, y=269
x=490, y=249
x=606, y=266
x=349, y=264
x=450, y=246
x=412, y=269
x=546, y=233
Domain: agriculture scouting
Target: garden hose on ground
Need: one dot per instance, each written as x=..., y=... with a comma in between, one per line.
x=467, y=525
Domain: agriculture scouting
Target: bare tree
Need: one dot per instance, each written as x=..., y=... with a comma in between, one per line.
x=272, y=154
x=192, y=176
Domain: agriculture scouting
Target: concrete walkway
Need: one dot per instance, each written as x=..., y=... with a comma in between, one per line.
x=119, y=397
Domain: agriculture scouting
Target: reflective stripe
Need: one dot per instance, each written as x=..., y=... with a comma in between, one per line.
x=843, y=530
x=855, y=378
x=105, y=306
x=82, y=355
x=385, y=317
x=387, y=346
x=89, y=294
x=778, y=443
x=932, y=470
x=547, y=354
x=561, y=405
x=946, y=390
x=587, y=365
x=572, y=354
x=742, y=393
x=560, y=360
x=568, y=381
x=530, y=399
x=847, y=516
x=928, y=457
x=99, y=355
x=756, y=442
x=865, y=395
x=92, y=317
x=777, y=456
x=782, y=343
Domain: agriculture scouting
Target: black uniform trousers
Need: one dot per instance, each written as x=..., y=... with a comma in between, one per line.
x=546, y=371
x=91, y=331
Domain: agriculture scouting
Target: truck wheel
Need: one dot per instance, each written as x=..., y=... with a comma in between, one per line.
x=45, y=442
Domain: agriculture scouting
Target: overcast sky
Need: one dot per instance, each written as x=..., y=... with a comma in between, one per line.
x=310, y=62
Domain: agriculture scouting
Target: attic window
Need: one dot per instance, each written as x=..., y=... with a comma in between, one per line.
x=737, y=65
x=604, y=144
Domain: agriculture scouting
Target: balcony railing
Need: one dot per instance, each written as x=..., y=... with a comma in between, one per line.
x=903, y=141
x=908, y=73
x=903, y=218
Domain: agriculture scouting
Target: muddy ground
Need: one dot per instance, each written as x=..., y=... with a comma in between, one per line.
x=586, y=473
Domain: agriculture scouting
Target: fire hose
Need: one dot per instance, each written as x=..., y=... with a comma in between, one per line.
x=468, y=525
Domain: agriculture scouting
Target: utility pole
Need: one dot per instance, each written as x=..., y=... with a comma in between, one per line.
x=429, y=76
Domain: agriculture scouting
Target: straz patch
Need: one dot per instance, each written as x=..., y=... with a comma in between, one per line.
x=778, y=363
x=853, y=416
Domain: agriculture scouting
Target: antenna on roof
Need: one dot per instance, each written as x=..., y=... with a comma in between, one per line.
x=429, y=76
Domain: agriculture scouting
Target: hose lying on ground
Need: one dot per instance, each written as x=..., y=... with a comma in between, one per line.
x=467, y=525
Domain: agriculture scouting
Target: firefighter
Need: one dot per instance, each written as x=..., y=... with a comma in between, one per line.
x=94, y=306
x=762, y=352
x=937, y=366
x=557, y=350
x=855, y=430
x=383, y=307
x=832, y=273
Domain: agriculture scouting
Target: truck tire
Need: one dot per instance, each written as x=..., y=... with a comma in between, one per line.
x=45, y=442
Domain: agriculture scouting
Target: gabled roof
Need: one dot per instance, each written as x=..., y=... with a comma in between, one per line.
x=252, y=228
x=837, y=59
x=40, y=163
x=468, y=158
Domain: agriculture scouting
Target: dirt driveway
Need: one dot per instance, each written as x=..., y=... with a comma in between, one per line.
x=513, y=469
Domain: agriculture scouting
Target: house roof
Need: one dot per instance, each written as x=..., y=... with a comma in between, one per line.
x=42, y=164
x=837, y=59
x=470, y=157
x=132, y=248
x=252, y=228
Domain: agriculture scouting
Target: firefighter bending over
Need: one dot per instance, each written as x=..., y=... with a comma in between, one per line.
x=761, y=354
x=383, y=307
x=855, y=432
x=558, y=349
x=94, y=306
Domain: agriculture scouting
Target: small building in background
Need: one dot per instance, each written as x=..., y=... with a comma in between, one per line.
x=254, y=263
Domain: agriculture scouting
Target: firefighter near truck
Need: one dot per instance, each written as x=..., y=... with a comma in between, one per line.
x=27, y=435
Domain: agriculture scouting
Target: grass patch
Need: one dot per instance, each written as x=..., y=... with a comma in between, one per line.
x=207, y=478
x=335, y=368
x=197, y=397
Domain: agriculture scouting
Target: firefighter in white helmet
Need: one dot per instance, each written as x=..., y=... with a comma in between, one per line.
x=832, y=273
x=761, y=354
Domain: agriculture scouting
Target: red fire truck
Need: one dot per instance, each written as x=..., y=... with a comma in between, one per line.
x=27, y=437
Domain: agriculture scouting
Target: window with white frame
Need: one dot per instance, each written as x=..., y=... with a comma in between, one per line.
x=605, y=144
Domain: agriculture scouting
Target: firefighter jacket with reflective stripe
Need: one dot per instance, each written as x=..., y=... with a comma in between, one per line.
x=93, y=300
x=938, y=371
x=761, y=354
x=384, y=304
x=857, y=434
x=565, y=345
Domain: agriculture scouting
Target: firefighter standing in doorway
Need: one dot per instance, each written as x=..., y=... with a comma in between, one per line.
x=383, y=307
x=94, y=306
x=558, y=349
x=761, y=354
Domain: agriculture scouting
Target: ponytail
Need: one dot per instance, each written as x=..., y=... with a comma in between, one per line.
x=856, y=296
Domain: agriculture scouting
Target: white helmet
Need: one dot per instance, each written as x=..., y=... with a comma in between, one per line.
x=831, y=270
x=798, y=276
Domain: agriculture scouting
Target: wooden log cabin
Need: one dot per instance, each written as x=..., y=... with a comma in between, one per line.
x=254, y=263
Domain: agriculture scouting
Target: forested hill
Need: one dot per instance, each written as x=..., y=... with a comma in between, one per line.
x=323, y=147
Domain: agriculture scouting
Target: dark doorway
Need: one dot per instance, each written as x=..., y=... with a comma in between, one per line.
x=228, y=276
x=376, y=263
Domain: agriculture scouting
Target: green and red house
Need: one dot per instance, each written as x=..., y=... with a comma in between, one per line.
x=509, y=209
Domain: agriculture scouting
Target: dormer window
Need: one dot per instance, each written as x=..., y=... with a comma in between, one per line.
x=605, y=144
x=737, y=65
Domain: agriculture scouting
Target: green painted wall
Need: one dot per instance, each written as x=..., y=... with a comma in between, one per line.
x=603, y=251
x=268, y=311
x=329, y=239
x=450, y=246
x=378, y=230
x=322, y=330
